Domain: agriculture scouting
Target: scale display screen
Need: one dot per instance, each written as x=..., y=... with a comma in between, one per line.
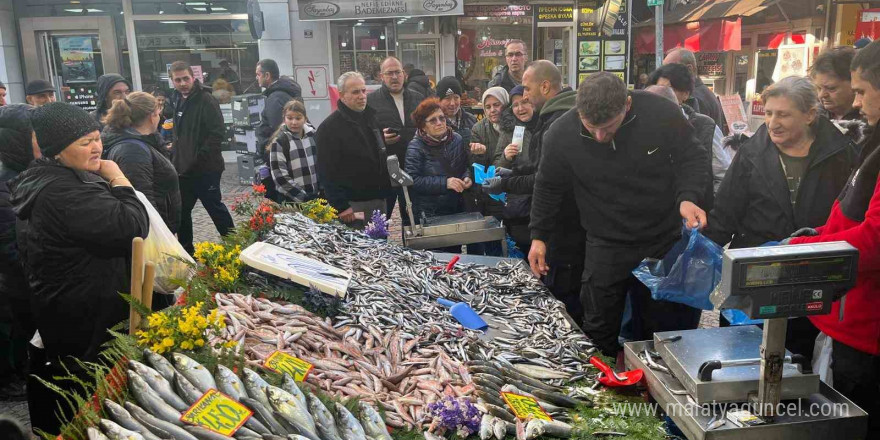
x=800, y=271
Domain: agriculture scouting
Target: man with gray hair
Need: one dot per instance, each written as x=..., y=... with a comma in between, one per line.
x=351, y=155
x=706, y=101
x=517, y=58
x=636, y=170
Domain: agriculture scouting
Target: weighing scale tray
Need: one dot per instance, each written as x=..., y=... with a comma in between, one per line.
x=455, y=230
x=839, y=418
x=730, y=384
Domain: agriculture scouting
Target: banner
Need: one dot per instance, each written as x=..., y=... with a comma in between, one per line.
x=363, y=9
x=77, y=59
x=603, y=36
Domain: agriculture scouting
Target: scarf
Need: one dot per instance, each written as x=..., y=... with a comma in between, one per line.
x=431, y=141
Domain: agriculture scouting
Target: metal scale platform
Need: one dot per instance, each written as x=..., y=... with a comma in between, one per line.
x=701, y=376
x=446, y=230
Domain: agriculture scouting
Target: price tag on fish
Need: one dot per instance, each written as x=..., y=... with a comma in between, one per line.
x=282, y=362
x=524, y=407
x=217, y=412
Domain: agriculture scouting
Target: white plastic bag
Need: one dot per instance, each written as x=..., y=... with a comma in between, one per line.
x=822, y=359
x=162, y=248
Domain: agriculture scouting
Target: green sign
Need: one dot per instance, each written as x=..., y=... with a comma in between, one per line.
x=655, y=2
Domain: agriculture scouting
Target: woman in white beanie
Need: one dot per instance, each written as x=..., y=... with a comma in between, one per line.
x=484, y=135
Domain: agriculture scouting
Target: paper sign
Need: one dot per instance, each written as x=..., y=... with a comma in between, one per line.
x=518, y=134
x=282, y=362
x=297, y=268
x=217, y=412
x=525, y=408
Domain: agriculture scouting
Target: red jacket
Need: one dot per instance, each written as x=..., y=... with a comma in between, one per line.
x=855, y=218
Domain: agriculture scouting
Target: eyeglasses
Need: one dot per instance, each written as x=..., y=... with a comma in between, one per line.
x=436, y=120
x=393, y=73
x=515, y=55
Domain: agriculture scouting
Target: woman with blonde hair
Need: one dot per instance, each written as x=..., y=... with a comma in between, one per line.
x=130, y=139
x=292, y=156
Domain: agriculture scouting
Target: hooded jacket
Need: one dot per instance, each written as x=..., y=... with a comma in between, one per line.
x=277, y=95
x=508, y=123
x=483, y=132
x=104, y=84
x=198, y=133
x=753, y=204
x=855, y=218
x=387, y=116
x=141, y=159
x=429, y=167
x=503, y=79
x=74, y=235
x=418, y=82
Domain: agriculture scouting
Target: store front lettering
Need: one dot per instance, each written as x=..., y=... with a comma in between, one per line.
x=321, y=9
x=381, y=7
x=439, y=5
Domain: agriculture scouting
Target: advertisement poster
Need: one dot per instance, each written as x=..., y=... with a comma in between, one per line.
x=77, y=59
x=603, y=35
x=791, y=60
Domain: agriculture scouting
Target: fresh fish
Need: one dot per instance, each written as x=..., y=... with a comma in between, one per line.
x=159, y=384
x=536, y=428
x=204, y=434
x=186, y=389
x=95, y=434
x=371, y=421
x=350, y=428
x=156, y=425
x=255, y=386
x=116, y=432
x=246, y=432
x=264, y=415
x=295, y=426
x=160, y=364
x=119, y=415
x=520, y=430
x=229, y=383
x=500, y=428
x=194, y=372
x=297, y=437
x=290, y=406
x=151, y=401
x=289, y=385
x=486, y=427
x=323, y=419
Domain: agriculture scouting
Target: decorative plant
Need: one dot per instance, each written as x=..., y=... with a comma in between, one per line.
x=455, y=415
x=178, y=328
x=318, y=210
x=378, y=225
x=221, y=263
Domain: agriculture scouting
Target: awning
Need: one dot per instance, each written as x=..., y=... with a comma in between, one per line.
x=710, y=10
x=707, y=36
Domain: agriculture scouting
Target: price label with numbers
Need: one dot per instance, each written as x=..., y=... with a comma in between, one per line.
x=524, y=407
x=282, y=362
x=217, y=412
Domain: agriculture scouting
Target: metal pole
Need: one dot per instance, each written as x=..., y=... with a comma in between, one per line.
x=658, y=35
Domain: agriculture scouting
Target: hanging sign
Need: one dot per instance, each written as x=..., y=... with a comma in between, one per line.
x=602, y=36
x=554, y=14
x=362, y=9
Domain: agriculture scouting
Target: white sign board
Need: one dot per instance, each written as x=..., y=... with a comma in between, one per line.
x=297, y=268
x=313, y=80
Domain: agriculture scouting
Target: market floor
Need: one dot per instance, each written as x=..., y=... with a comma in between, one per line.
x=204, y=230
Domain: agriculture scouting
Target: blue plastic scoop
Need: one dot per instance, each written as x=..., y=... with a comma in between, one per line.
x=464, y=314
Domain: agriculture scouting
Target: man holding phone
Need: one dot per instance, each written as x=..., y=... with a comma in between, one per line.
x=393, y=105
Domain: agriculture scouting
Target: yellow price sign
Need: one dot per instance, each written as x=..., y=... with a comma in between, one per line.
x=217, y=412
x=282, y=362
x=524, y=407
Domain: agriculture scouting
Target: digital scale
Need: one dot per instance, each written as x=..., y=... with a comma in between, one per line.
x=446, y=230
x=705, y=378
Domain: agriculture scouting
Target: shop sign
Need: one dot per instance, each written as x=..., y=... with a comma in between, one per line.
x=710, y=63
x=602, y=36
x=174, y=41
x=732, y=107
x=491, y=47
x=361, y=9
x=554, y=14
x=497, y=10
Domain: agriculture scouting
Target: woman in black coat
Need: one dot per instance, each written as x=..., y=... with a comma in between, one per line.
x=77, y=216
x=130, y=139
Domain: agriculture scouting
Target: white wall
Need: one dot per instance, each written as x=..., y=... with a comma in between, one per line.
x=312, y=52
x=10, y=63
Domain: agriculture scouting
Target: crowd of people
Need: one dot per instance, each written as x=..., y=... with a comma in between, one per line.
x=594, y=181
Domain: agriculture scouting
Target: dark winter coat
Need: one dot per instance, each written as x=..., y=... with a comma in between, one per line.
x=708, y=103
x=505, y=137
x=704, y=130
x=753, y=205
x=503, y=79
x=628, y=191
x=387, y=116
x=141, y=159
x=352, y=158
x=430, y=167
x=74, y=235
x=102, y=88
x=277, y=95
x=198, y=133
x=463, y=125
x=420, y=83
x=484, y=133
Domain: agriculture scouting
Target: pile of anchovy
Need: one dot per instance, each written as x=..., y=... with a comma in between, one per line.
x=396, y=289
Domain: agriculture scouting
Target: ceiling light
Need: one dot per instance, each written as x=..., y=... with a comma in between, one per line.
x=381, y=37
x=219, y=8
x=200, y=9
x=343, y=44
x=482, y=18
x=74, y=2
x=172, y=22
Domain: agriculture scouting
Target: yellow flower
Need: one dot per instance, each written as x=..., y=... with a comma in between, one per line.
x=158, y=348
x=200, y=342
x=230, y=344
x=168, y=342
x=186, y=345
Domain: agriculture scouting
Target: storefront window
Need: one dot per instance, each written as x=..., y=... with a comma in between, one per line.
x=361, y=46
x=218, y=49
x=148, y=7
x=482, y=34
x=415, y=25
x=554, y=44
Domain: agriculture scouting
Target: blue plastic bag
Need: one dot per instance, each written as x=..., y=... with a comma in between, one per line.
x=738, y=317
x=687, y=274
x=481, y=174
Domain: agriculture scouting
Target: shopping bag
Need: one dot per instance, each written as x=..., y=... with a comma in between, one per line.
x=822, y=350
x=482, y=173
x=687, y=274
x=162, y=248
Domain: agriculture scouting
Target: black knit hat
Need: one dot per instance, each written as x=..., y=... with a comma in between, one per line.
x=449, y=85
x=58, y=124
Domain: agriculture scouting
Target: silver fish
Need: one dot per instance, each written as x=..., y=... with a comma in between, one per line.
x=124, y=419
x=486, y=427
x=289, y=385
x=204, y=434
x=323, y=419
x=499, y=428
x=156, y=425
x=264, y=415
x=186, y=389
x=116, y=432
x=151, y=401
x=255, y=386
x=95, y=434
x=536, y=428
x=374, y=426
x=285, y=403
x=348, y=426
x=159, y=384
x=159, y=363
x=194, y=371
x=230, y=383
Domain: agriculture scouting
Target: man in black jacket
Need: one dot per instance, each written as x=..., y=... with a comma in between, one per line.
x=351, y=155
x=636, y=171
x=110, y=87
x=278, y=91
x=418, y=81
x=707, y=102
x=511, y=75
x=394, y=105
x=196, y=152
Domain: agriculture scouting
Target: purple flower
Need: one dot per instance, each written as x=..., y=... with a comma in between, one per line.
x=378, y=226
x=455, y=415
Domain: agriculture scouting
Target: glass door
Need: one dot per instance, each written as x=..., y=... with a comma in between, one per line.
x=73, y=64
x=422, y=54
x=554, y=44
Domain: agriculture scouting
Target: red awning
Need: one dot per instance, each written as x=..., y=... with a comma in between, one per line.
x=706, y=36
